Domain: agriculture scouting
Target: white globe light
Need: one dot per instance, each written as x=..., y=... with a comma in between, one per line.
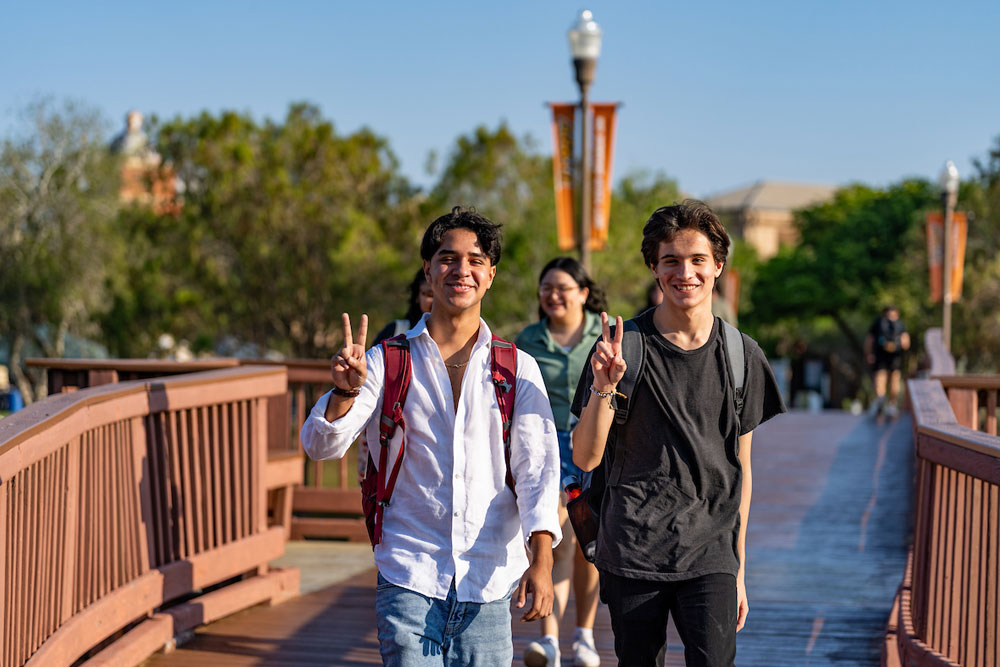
x=585, y=37
x=949, y=178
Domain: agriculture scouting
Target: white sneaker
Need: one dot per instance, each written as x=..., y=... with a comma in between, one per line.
x=541, y=653
x=585, y=655
x=891, y=411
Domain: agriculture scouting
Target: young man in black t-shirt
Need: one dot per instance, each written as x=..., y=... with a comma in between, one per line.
x=673, y=526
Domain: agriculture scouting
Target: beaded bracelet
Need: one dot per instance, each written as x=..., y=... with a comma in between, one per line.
x=606, y=394
x=346, y=393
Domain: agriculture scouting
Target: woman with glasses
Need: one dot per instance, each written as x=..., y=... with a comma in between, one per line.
x=569, y=307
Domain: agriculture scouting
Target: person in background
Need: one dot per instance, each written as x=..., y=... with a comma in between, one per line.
x=421, y=298
x=885, y=343
x=569, y=304
x=654, y=296
x=420, y=302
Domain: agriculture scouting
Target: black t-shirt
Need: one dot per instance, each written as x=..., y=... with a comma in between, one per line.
x=887, y=335
x=674, y=512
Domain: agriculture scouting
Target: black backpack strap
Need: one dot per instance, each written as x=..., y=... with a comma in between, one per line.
x=736, y=354
x=634, y=354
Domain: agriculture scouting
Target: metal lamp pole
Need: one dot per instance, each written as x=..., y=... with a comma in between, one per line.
x=949, y=197
x=585, y=47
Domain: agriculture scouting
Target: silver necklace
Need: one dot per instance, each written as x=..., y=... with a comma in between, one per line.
x=461, y=365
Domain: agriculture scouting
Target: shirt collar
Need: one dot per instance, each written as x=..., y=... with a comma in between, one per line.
x=484, y=339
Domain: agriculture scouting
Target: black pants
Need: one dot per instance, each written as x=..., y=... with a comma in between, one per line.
x=704, y=611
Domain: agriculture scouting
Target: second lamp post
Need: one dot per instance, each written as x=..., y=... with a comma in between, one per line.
x=585, y=47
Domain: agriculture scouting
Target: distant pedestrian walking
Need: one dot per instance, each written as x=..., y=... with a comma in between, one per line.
x=885, y=344
x=421, y=297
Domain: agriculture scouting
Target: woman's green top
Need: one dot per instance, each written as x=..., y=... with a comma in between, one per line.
x=560, y=369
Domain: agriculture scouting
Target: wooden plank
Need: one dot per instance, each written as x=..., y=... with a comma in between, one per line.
x=349, y=529
x=151, y=635
x=145, y=490
x=992, y=634
x=212, y=567
x=215, y=457
x=991, y=411
x=97, y=377
x=967, y=461
x=225, y=448
x=959, y=564
x=137, y=644
x=965, y=405
x=284, y=468
x=239, y=476
x=5, y=549
x=332, y=501
x=259, y=449
x=194, y=451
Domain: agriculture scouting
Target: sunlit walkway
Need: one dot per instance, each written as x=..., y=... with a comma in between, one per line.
x=828, y=534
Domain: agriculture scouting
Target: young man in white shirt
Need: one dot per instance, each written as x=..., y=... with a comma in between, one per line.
x=453, y=541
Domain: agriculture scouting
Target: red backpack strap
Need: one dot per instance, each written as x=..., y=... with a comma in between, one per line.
x=396, y=354
x=503, y=364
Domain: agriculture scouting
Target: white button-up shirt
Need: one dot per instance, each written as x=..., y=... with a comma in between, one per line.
x=452, y=515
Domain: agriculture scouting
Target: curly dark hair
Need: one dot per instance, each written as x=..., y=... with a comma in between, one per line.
x=597, y=301
x=487, y=233
x=666, y=221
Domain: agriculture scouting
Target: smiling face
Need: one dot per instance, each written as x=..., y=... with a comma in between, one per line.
x=561, y=297
x=459, y=272
x=686, y=271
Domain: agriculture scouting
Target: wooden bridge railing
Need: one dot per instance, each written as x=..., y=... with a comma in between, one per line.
x=947, y=611
x=119, y=500
x=325, y=501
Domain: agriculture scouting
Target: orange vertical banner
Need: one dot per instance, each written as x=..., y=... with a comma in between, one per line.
x=563, y=116
x=935, y=253
x=604, y=144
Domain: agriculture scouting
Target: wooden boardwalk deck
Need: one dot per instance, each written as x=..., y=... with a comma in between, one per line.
x=829, y=526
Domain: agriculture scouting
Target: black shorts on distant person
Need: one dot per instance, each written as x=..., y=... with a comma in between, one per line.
x=888, y=362
x=704, y=612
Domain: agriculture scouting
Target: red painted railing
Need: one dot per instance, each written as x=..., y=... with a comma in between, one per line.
x=947, y=611
x=118, y=500
x=325, y=502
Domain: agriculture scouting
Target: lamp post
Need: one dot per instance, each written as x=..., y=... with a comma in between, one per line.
x=949, y=196
x=585, y=47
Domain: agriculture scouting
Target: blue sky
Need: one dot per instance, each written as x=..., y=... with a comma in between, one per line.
x=716, y=94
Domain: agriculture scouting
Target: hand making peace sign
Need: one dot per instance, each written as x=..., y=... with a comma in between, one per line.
x=348, y=367
x=607, y=361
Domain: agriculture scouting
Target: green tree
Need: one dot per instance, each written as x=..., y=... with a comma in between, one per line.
x=284, y=226
x=504, y=178
x=620, y=267
x=976, y=317
x=507, y=180
x=855, y=251
x=58, y=196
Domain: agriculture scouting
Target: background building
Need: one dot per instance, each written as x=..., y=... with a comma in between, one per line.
x=762, y=214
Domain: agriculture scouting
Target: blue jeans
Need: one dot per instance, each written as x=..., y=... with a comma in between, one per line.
x=415, y=630
x=569, y=472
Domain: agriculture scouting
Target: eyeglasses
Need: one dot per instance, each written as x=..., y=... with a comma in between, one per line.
x=548, y=290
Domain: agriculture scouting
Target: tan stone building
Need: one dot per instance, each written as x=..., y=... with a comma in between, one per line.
x=762, y=213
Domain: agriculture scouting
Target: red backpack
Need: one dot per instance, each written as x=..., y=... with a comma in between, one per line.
x=376, y=489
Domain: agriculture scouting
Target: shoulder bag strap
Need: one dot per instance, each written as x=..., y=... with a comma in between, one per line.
x=503, y=367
